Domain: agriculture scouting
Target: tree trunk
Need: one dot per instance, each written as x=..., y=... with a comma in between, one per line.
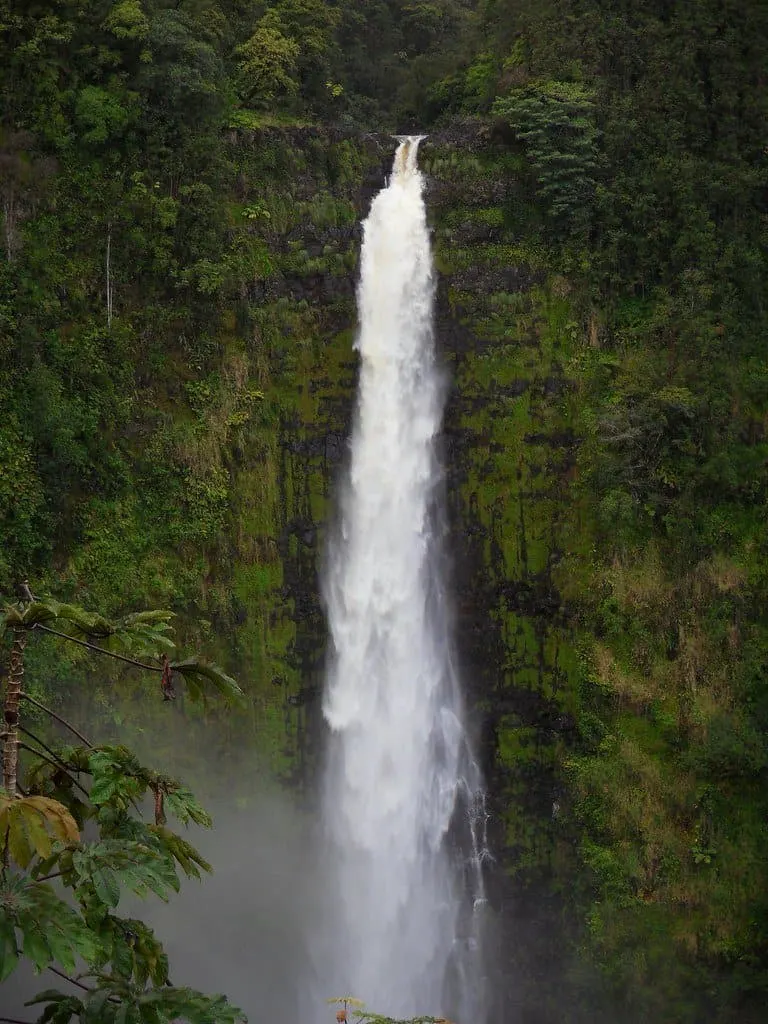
x=9, y=211
x=109, y=276
x=11, y=711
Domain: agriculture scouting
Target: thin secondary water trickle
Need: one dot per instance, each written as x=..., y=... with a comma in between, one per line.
x=402, y=800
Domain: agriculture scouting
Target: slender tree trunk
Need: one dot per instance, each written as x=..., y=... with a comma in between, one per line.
x=9, y=213
x=11, y=711
x=109, y=276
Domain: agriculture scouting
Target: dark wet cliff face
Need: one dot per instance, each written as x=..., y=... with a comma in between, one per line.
x=504, y=331
x=577, y=664
x=505, y=327
x=257, y=433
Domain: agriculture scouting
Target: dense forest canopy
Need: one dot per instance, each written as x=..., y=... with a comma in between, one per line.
x=145, y=346
x=641, y=125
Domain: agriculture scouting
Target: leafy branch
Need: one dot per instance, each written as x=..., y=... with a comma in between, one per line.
x=66, y=787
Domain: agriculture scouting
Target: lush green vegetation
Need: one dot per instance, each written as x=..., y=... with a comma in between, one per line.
x=629, y=141
x=180, y=184
x=60, y=887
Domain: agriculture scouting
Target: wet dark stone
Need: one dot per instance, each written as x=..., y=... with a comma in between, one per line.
x=557, y=439
x=491, y=279
x=512, y=390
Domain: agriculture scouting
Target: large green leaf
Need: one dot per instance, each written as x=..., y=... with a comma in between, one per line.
x=67, y=934
x=106, y=885
x=70, y=616
x=26, y=820
x=61, y=1007
x=35, y=946
x=29, y=615
x=90, y=624
x=197, y=673
x=140, y=634
x=188, y=858
x=51, y=931
x=112, y=863
x=118, y=776
x=183, y=804
x=145, y=633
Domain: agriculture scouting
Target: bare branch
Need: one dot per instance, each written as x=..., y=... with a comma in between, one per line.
x=56, y=764
x=47, y=878
x=58, y=718
x=99, y=650
x=72, y=981
x=76, y=981
x=46, y=748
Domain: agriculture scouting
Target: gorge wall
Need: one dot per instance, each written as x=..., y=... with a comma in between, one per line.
x=201, y=434
x=230, y=444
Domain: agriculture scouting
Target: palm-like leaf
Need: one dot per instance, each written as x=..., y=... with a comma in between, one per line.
x=141, y=633
x=31, y=614
x=197, y=673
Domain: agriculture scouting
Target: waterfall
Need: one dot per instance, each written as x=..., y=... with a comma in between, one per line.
x=401, y=788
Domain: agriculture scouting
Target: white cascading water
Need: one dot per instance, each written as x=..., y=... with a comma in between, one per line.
x=401, y=787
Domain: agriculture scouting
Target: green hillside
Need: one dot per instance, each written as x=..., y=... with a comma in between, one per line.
x=182, y=183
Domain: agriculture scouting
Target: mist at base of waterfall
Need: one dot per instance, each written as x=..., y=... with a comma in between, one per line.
x=244, y=930
x=259, y=928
